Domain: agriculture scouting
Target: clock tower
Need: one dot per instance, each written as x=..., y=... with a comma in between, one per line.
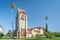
x=21, y=23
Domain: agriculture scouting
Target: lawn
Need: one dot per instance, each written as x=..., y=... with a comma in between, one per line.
x=36, y=39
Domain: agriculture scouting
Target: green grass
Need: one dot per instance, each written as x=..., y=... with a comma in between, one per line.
x=44, y=39
x=4, y=39
x=35, y=39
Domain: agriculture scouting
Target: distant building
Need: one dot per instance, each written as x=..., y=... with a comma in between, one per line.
x=0, y=28
x=22, y=29
x=32, y=32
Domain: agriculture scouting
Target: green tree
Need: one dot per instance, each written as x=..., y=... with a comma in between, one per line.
x=46, y=18
x=46, y=27
x=56, y=34
x=47, y=35
x=9, y=34
x=12, y=5
x=1, y=34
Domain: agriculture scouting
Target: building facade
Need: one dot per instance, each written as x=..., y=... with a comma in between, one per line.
x=21, y=23
x=33, y=32
x=22, y=29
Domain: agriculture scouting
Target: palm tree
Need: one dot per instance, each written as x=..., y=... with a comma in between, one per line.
x=46, y=18
x=13, y=7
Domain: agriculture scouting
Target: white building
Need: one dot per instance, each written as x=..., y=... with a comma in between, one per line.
x=22, y=29
x=32, y=32
x=0, y=28
x=21, y=23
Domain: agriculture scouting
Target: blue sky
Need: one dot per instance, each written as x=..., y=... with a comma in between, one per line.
x=36, y=11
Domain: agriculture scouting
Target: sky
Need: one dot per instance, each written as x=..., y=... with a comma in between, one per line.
x=36, y=11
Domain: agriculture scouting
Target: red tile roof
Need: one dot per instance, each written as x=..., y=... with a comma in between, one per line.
x=21, y=11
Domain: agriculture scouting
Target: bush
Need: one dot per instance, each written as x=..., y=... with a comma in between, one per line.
x=40, y=36
x=48, y=35
x=1, y=34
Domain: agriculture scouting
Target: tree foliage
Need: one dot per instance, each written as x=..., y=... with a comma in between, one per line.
x=10, y=33
x=46, y=27
x=40, y=36
x=56, y=34
x=48, y=35
x=1, y=34
x=46, y=18
x=52, y=34
x=12, y=4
